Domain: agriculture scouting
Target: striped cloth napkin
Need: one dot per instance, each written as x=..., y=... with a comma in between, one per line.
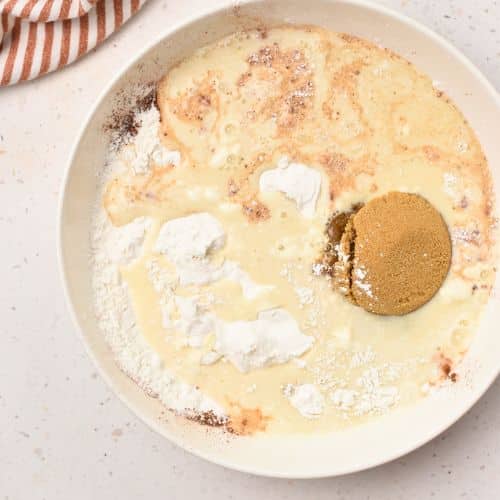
x=39, y=36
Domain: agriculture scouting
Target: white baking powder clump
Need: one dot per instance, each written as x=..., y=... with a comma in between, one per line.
x=190, y=237
x=296, y=181
x=306, y=398
x=190, y=242
x=187, y=243
x=273, y=338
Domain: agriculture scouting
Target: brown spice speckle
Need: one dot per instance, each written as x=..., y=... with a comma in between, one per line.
x=232, y=187
x=255, y=210
x=123, y=123
x=446, y=366
x=208, y=418
x=246, y=421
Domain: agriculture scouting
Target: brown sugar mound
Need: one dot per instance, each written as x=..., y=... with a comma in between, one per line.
x=393, y=255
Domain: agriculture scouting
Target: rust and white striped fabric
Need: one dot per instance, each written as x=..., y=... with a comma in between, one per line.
x=39, y=36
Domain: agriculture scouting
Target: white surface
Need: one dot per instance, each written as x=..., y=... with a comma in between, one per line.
x=62, y=433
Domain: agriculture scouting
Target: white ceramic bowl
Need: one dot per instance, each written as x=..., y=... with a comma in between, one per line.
x=354, y=449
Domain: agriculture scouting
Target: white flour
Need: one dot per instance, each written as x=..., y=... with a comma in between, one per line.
x=146, y=148
x=195, y=320
x=374, y=396
x=163, y=284
x=116, y=321
x=112, y=247
x=344, y=398
x=190, y=241
x=273, y=338
x=298, y=182
x=370, y=397
x=190, y=237
x=306, y=398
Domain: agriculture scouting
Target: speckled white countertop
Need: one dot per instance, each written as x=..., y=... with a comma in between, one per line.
x=63, y=434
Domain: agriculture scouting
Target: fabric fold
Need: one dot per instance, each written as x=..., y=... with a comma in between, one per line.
x=39, y=36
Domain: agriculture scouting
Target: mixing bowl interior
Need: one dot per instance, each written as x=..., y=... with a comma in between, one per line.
x=289, y=456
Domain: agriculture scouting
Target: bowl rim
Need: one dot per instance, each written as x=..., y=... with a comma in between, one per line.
x=369, y=5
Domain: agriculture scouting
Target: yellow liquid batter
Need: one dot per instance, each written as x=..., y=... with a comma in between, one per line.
x=370, y=123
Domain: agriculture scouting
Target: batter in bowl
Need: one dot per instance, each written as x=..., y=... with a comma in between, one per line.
x=214, y=219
